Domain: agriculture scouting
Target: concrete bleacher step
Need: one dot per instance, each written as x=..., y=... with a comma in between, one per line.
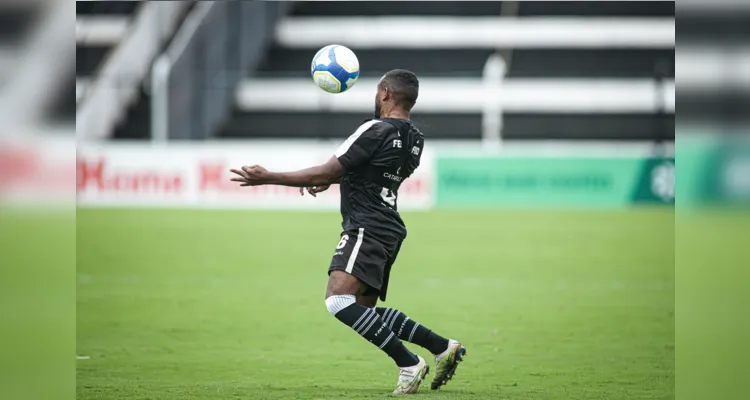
x=99, y=28
x=447, y=32
x=377, y=8
x=590, y=76
x=468, y=95
x=16, y=22
x=477, y=8
x=542, y=63
x=517, y=126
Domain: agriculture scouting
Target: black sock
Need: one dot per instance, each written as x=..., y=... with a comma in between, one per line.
x=369, y=325
x=412, y=331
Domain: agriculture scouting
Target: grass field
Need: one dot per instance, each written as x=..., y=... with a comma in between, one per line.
x=229, y=305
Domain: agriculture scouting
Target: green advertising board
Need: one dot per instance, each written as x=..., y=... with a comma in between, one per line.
x=552, y=182
x=716, y=172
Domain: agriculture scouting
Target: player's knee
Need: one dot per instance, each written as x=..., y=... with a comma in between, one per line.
x=336, y=303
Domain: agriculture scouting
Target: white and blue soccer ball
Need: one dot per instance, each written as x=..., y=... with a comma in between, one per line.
x=335, y=68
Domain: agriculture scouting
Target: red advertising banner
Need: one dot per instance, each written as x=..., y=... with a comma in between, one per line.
x=197, y=175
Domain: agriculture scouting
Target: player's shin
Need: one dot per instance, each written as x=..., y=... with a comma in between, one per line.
x=368, y=324
x=412, y=331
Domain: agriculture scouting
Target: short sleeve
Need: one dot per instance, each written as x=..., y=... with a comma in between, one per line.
x=361, y=145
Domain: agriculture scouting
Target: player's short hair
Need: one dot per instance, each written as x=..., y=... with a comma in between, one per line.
x=404, y=85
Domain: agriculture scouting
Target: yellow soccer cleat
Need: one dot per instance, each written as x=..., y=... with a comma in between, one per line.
x=447, y=362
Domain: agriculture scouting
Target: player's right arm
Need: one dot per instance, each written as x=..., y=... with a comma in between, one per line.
x=355, y=151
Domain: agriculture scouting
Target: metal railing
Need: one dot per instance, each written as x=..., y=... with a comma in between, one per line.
x=492, y=111
x=194, y=81
x=116, y=85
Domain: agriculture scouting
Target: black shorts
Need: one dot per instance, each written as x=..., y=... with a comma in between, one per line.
x=366, y=258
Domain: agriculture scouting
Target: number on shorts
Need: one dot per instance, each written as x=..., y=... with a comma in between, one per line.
x=342, y=243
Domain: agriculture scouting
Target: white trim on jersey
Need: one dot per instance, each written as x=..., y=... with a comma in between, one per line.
x=353, y=256
x=353, y=138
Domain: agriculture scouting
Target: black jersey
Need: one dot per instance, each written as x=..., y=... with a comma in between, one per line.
x=378, y=157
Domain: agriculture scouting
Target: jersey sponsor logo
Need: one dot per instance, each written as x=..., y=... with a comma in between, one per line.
x=415, y=150
x=393, y=177
x=397, y=143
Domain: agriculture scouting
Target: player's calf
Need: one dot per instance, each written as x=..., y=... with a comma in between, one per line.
x=368, y=324
x=341, y=303
x=412, y=331
x=448, y=353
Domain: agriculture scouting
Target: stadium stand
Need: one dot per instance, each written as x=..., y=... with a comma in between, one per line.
x=30, y=35
x=116, y=42
x=16, y=19
x=99, y=27
x=589, y=84
x=715, y=63
x=609, y=75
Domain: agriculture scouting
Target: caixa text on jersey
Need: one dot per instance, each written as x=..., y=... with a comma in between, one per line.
x=393, y=177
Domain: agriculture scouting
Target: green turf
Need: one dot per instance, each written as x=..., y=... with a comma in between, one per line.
x=37, y=303
x=229, y=305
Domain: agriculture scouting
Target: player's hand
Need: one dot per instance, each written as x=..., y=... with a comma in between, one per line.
x=251, y=175
x=313, y=190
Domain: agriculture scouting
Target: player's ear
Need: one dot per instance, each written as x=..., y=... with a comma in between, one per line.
x=386, y=93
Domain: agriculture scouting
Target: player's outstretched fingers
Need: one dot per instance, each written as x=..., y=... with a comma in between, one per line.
x=301, y=191
x=239, y=172
x=251, y=169
x=312, y=192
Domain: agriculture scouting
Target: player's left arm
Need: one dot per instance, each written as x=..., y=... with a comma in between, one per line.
x=320, y=175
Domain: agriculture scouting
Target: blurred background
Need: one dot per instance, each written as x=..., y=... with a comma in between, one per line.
x=169, y=95
x=548, y=179
x=548, y=176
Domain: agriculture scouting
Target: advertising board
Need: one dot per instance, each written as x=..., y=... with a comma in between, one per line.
x=197, y=175
x=498, y=181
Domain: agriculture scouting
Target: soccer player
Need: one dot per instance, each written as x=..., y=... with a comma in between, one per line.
x=370, y=166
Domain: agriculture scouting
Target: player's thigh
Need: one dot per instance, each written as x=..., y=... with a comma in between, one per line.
x=340, y=279
x=362, y=256
x=341, y=282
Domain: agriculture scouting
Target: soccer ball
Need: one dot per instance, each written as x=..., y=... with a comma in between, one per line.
x=335, y=68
